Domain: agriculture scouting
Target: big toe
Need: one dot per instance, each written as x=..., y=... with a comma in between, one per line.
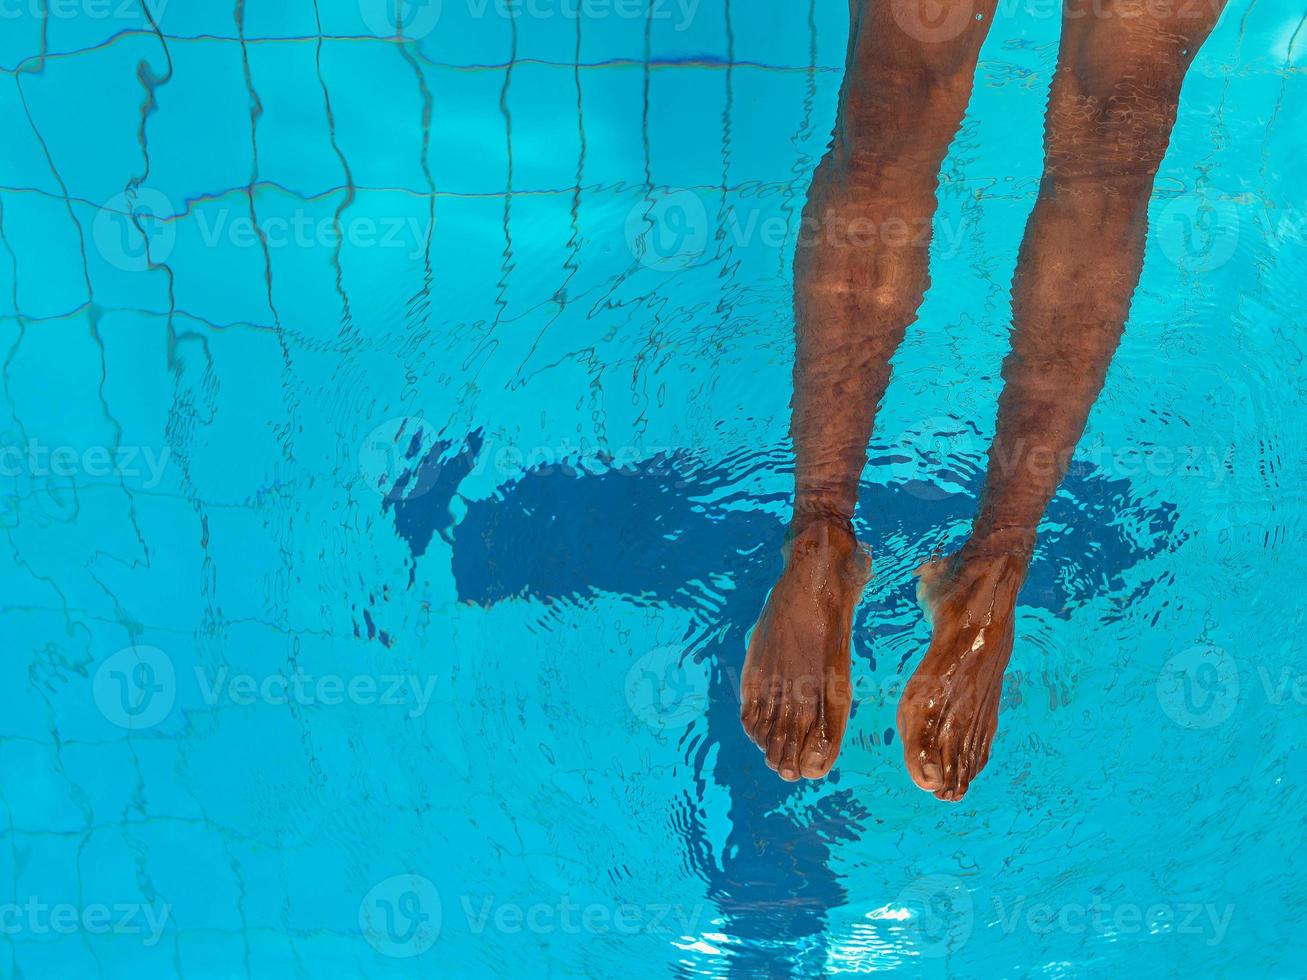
x=818, y=754
x=927, y=773
x=920, y=754
x=924, y=760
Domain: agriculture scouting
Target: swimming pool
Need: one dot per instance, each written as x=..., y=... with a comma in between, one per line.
x=395, y=457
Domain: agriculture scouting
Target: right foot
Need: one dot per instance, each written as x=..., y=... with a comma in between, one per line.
x=949, y=710
x=795, y=691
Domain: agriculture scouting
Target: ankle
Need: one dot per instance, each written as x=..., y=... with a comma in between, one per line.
x=829, y=542
x=1014, y=544
x=813, y=516
x=820, y=536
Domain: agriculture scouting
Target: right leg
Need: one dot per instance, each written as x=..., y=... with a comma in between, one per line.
x=860, y=274
x=1114, y=99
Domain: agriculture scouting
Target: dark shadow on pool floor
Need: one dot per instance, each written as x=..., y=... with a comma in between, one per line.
x=648, y=531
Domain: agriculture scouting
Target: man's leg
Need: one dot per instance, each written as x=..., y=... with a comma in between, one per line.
x=860, y=273
x=1111, y=108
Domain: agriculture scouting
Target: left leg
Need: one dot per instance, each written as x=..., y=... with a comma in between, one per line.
x=901, y=103
x=1111, y=108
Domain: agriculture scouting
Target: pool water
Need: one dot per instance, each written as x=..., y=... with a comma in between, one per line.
x=395, y=459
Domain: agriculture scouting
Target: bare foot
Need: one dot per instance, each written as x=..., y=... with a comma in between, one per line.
x=795, y=691
x=949, y=710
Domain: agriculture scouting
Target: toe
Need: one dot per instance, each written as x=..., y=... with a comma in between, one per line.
x=760, y=730
x=820, y=745
x=973, y=751
x=948, y=789
x=961, y=779
x=927, y=773
x=789, y=767
x=950, y=757
x=773, y=737
x=921, y=761
x=750, y=709
x=776, y=749
x=921, y=754
x=817, y=754
x=783, y=743
x=799, y=720
x=968, y=763
x=815, y=762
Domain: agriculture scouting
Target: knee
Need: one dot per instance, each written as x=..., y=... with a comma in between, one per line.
x=903, y=115
x=870, y=294
x=1111, y=125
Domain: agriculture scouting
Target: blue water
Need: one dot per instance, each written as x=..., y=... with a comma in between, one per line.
x=395, y=457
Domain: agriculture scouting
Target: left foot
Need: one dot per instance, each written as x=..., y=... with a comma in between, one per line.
x=949, y=710
x=795, y=691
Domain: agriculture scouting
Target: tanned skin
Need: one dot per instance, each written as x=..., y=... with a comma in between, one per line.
x=861, y=271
